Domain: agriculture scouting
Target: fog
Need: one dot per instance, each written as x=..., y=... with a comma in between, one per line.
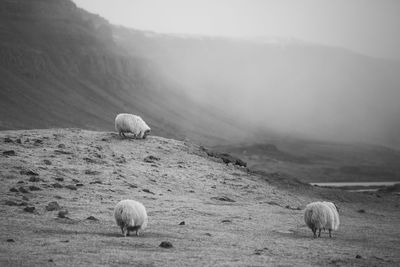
x=300, y=85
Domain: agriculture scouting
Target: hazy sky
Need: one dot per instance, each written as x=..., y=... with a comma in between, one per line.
x=370, y=27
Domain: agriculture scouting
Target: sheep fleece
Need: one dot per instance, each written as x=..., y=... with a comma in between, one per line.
x=321, y=215
x=130, y=213
x=125, y=123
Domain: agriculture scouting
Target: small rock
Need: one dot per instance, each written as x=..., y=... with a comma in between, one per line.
x=18, y=141
x=8, y=140
x=10, y=203
x=50, y=260
x=182, y=223
x=22, y=190
x=13, y=189
x=226, y=221
x=361, y=211
x=34, y=188
x=38, y=142
x=29, y=209
x=75, y=180
x=23, y=204
x=10, y=240
x=20, y=182
x=62, y=213
x=64, y=241
x=79, y=184
x=358, y=256
x=96, y=182
x=61, y=146
x=151, y=159
x=47, y=162
x=207, y=234
x=148, y=191
x=56, y=185
x=9, y=153
x=90, y=172
x=34, y=179
x=62, y=152
x=224, y=198
x=29, y=172
x=53, y=206
x=71, y=187
x=25, y=198
x=166, y=244
x=92, y=218
x=60, y=179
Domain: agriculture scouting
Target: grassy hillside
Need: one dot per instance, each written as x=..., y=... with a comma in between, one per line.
x=59, y=188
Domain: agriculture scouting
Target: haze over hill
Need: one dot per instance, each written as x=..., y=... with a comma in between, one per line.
x=62, y=66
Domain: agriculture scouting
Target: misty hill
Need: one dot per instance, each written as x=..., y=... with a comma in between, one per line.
x=60, y=67
x=59, y=188
x=293, y=87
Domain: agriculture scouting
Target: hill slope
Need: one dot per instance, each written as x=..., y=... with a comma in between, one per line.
x=61, y=67
x=232, y=217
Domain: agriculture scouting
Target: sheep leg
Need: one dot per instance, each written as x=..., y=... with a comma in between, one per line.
x=330, y=232
x=137, y=232
x=319, y=233
x=314, y=230
x=128, y=232
x=123, y=231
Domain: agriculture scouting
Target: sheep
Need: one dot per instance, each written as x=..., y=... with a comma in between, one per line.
x=129, y=123
x=321, y=215
x=130, y=215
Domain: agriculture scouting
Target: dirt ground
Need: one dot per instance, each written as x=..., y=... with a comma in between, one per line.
x=212, y=213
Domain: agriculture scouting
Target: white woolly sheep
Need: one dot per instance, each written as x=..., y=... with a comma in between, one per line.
x=129, y=123
x=321, y=215
x=130, y=215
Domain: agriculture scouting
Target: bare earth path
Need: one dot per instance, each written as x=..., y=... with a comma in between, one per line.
x=231, y=217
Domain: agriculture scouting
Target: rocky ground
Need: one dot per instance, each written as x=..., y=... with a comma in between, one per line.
x=59, y=188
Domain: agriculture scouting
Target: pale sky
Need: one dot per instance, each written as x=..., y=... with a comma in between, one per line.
x=371, y=27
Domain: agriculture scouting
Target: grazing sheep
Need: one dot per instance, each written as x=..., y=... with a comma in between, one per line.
x=130, y=215
x=321, y=215
x=129, y=123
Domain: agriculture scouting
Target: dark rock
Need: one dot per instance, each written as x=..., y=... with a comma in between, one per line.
x=96, y=182
x=151, y=159
x=57, y=185
x=92, y=218
x=13, y=189
x=132, y=185
x=34, y=188
x=358, y=256
x=10, y=240
x=53, y=206
x=29, y=209
x=18, y=141
x=207, y=234
x=361, y=211
x=9, y=153
x=148, y=191
x=166, y=244
x=20, y=182
x=90, y=172
x=224, y=198
x=23, y=204
x=62, y=146
x=79, y=184
x=22, y=190
x=25, y=198
x=47, y=162
x=71, y=187
x=226, y=221
x=8, y=140
x=64, y=241
x=29, y=172
x=38, y=142
x=182, y=223
x=34, y=179
x=62, y=214
x=60, y=179
x=10, y=203
x=50, y=260
x=76, y=180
